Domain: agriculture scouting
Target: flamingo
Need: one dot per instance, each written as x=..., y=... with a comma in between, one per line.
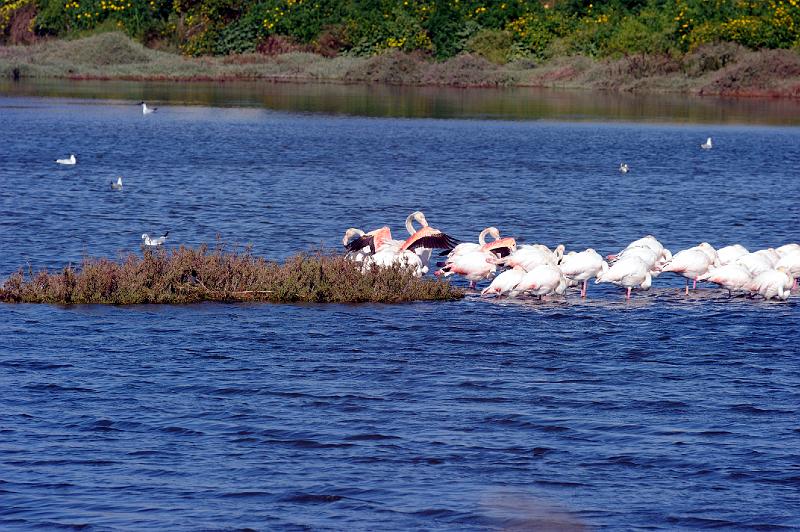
x=389, y=256
x=531, y=255
x=790, y=262
x=755, y=263
x=468, y=247
x=374, y=240
x=472, y=265
x=648, y=241
x=770, y=254
x=710, y=252
x=543, y=280
x=733, y=277
x=355, y=253
x=426, y=238
x=787, y=248
x=70, y=161
x=689, y=263
x=505, y=283
x=707, y=144
x=729, y=254
x=773, y=284
x=580, y=267
x=629, y=273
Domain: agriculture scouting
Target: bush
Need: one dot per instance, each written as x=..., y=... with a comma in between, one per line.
x=187, y=275
x=443, y=28
x=494, y=45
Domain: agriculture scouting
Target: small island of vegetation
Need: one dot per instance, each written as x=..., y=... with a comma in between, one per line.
x=741, y=47
x=185, y=275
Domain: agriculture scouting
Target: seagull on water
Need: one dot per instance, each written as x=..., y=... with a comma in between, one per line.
x=152, y=242
x=707, y=145
x=623, y=168
x=117, y=185
x=71, y=160
x=147, y=110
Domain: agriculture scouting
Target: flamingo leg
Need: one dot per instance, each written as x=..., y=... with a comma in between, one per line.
x=628, y=295
x=794, y=285
x=687, y=287
x=583, y=290
x=472, y=285
x=694, y=285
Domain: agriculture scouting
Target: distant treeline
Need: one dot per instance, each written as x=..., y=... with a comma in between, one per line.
x=501, y=31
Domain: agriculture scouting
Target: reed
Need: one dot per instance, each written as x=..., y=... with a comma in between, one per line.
x=185, y=275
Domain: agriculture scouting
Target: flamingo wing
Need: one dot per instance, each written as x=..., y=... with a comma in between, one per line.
x=361, y=242
x=429, y=238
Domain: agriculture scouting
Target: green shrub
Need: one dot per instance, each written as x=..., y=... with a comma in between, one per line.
x=443, y=28
x=494, y=45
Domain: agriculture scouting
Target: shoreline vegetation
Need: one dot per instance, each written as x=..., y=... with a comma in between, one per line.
x=185, y=275
x=720, y=47
x=721, y=69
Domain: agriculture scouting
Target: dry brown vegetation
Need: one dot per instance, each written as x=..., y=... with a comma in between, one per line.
x=714, y=69
x=185, y=275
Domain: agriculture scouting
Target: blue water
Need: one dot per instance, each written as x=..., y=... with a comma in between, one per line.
x=663, y=412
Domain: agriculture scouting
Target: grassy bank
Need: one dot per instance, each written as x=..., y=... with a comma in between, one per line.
x=719, y=69
x=186, y=275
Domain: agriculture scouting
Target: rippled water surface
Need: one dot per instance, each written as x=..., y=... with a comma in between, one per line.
x=663, y=412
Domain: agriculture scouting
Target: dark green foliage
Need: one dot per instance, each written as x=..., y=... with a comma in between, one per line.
x=501, y=30
x=186, y=275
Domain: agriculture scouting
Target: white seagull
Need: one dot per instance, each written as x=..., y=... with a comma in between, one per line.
x=147, y=110
x=623, y=168
x=707, y=144
x=71, y=160
x=117, y=185
x=152, y=242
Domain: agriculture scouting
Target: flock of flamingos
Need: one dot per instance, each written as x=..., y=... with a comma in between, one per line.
x=537, y=270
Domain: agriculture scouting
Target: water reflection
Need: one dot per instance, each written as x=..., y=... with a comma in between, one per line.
x=522, y=103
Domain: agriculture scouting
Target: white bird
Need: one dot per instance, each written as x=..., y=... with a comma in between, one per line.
x=472, y=265
x=580, y=267
x=152, y=242
x=707, y=144
x=772, y=283
x=543, y=280
x=623, y=168
x=710, y=252
x=733, y=277
x=505, y=283
x=71, y=160
x=790, y=262
x=770, y=254
x=755, y=263
x=117, y=185
x=147, y=110
x=787, y=248
x=729, y=254
x=357, y=255
x=689, y=263
x=389, y=256
x=529, y=256
x=629, y=273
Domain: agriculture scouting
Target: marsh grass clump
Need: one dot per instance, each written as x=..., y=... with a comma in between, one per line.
x=186, y=275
